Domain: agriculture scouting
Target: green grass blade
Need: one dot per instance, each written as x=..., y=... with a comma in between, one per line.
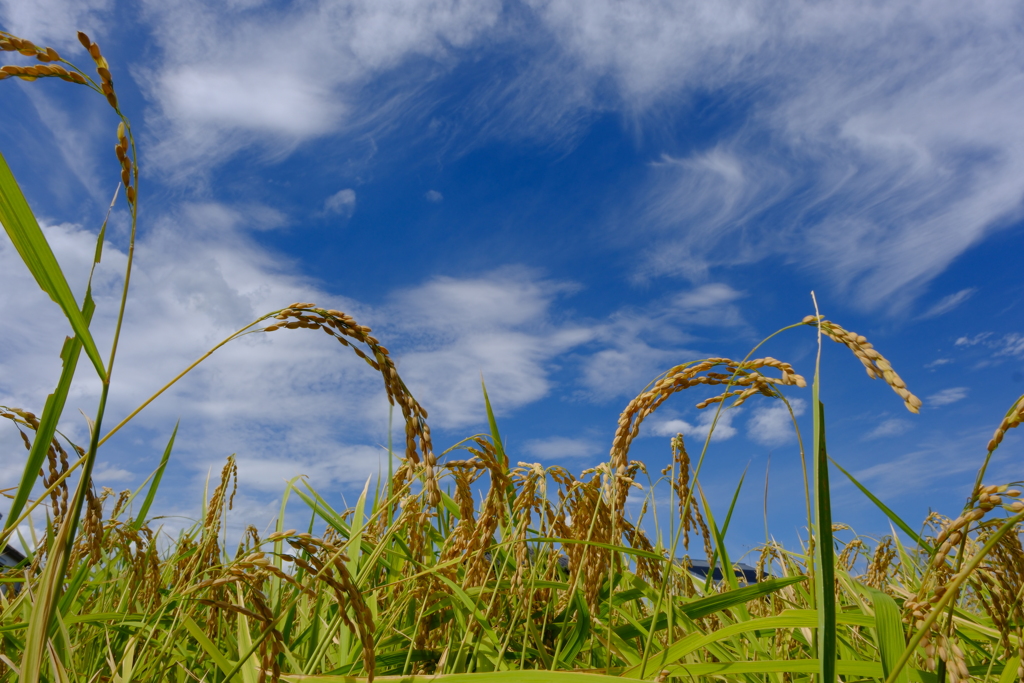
x=472, y=608
x=889, y=628
x=499, y=448
x=853, y=669
x=24, y=231
x=493, y=424
x=824, y=551
x=885, y=509
x=702, y=607
x=530, y=676
x=732, y=505
x=52, y=410
x=698, y=640
x=43, y=606
x=209, y=648
x=140, y=518
x=790, y=619
x=578, y=634
x=716, y=603
x=1010, y=670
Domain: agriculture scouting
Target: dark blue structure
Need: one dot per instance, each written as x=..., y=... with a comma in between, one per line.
x=10, y=557
x=702, y=567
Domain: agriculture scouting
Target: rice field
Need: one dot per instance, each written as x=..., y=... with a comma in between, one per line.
x=465, y=566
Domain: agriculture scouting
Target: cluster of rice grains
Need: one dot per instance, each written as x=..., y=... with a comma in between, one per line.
x=996, y=583
x=419, y=449
x=874, y=363
x=742, y=380
x=54, y=66
x=46, y=55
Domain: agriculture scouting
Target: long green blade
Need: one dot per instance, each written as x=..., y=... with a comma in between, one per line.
x=24, y=231
x=824, y=552
x=140, y=518
x=889, y=627
x=793, y=619
x=530, y=676
x=499, y=448
x=885, y=509
x=702, y=607
x=52, y=410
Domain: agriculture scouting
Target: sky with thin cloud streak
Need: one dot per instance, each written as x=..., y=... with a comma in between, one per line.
x=559, y=198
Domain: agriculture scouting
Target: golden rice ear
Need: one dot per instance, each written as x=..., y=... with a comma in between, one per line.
x=419, y=449
x=874, y=363
x=1012, y=419
x=746, y=376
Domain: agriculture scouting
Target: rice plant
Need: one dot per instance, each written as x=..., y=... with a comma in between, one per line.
x=544, y=578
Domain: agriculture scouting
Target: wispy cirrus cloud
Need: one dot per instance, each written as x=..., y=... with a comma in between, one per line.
x=1010, y=344
x=889, y=428
x=639, y=343
x=54, y=22
x=870, y=146
x=947, y=396
x=265, y=93
x=842, y=162
x=948, y=303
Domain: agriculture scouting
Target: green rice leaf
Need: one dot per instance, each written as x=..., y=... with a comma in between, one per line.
x=824, y=551
x=157, y=475
x=885, y=509
x=702, y=607
x=889, y=627
x=24, y=231
x=52, y=410
x=1010, y=670
x=209, y=648
x=529, y=676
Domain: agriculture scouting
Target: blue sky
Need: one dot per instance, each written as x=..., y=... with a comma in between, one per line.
x=565, y=196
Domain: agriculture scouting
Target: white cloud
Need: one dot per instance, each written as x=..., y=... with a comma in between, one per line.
x=285, y=74
x=1010, y=344
x=639, y=344
x=341, y=203
x=948, y=303
x=879, y=142
x=938, y=362
x=772, y=425
x=107, y=475
x=344, y=465
x=55, y=22
x=556, y=448
x=972, y=341
x=434, y=196
x=217, y=217
x=890, y=427
x=285, y=397
x=496, y=327
x=936, y=463
x=693, y=203
x=723, y=430
x=947, y=396
x=876, y=144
